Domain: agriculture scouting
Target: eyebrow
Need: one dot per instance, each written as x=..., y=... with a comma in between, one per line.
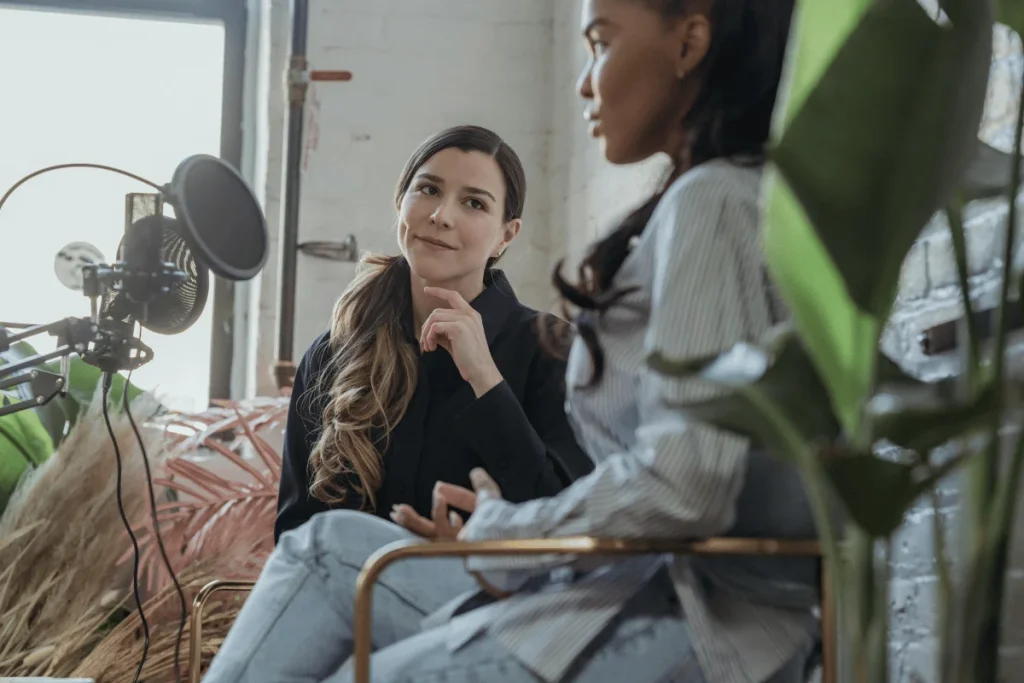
x=471, y=190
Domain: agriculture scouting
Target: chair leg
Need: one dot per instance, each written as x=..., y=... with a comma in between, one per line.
x=195, y=636
x=828, y=628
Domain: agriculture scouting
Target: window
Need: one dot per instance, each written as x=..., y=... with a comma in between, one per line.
x=118, y=90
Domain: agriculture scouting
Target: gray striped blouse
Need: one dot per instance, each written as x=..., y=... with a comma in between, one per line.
x=700, y=285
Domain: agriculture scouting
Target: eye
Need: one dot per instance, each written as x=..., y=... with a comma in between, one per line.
x=427, y=189
x=474, y=203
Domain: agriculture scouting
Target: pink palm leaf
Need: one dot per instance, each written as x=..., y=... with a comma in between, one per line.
x=222, y=479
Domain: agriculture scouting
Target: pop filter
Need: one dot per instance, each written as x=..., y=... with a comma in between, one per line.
x=219, y=216
x=171, y=310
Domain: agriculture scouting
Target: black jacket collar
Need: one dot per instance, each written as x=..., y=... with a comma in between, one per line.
x=494, y=305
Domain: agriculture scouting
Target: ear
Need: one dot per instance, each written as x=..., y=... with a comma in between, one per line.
x=693, y=40
x=509, y=232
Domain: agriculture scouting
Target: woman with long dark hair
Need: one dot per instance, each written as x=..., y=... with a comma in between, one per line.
x=431, y=366
x=683, y=276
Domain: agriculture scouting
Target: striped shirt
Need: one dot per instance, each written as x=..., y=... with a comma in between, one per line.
x=699, y=275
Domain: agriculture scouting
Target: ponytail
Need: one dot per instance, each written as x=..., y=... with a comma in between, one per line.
x=372, y=377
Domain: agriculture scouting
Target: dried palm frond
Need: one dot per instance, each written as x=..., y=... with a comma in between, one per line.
x=224, y=476
x=116, y=658
x=60, y=539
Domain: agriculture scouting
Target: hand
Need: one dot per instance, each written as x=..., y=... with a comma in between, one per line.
x=459, y=330
x=445, y=524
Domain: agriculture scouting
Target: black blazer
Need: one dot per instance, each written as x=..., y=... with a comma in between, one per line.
x=518, y=431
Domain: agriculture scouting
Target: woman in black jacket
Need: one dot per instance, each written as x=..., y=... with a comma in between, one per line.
x=432, y=366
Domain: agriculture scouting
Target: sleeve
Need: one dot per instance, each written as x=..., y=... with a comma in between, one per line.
x=681, y=479
x=295, y=505
x=528, y=447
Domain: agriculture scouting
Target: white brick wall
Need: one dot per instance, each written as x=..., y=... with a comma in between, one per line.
x=928, y=296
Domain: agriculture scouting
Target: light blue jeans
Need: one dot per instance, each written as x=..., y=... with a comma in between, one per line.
x=296, y=626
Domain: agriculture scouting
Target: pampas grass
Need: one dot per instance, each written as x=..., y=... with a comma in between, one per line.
x=115, y=659
x=66, y=559
x=60, y=541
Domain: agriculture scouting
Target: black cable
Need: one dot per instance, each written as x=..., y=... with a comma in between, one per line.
x=107, y=380
x=57, y=167
x=156, y=532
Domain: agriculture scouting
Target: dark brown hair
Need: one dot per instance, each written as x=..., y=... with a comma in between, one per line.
x=373, y=370
x=730, y=118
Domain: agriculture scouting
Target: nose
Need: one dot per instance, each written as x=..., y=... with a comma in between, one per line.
x=441, y=216
x=583, y=84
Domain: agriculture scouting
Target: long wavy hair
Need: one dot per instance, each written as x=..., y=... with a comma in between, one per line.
x=730, y=119
x=372, y=373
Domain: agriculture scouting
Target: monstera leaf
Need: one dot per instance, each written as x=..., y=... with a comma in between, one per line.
x=866, y=150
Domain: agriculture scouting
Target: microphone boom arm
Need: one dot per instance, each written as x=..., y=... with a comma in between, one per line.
x=109, y=345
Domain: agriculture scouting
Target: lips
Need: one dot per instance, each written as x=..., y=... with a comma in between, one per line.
x=436, y=243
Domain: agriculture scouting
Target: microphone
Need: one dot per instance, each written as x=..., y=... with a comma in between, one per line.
x=161, y=277
x=160, y=280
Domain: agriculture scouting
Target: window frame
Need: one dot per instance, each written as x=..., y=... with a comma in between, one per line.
x=233, y=14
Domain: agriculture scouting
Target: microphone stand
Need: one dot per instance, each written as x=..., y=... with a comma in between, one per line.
x=105, y=343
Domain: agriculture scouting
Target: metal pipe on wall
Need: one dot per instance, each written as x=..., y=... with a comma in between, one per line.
x=284, y=367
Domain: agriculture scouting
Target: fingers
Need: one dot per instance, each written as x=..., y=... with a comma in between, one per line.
x=437, y=315
x=446, y=521
x=439, y=331
x=455, y=523
x=484, y=484
x=439, y=513
x=403, y=515
x=457, y=496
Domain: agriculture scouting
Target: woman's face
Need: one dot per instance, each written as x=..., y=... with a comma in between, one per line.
x=451, y=219
x=638, y=83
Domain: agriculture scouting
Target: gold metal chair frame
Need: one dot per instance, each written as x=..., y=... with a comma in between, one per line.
x=363, y=617
x=195, y=635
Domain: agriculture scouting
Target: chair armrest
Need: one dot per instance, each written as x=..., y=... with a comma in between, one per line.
x=196, y=626
x=577, y=545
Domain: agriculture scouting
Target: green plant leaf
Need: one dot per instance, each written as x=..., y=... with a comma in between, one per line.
x=876, y=493
x=52, y=414
x=24, y=442
x=779, y=374
x=867, y=148
x=1011, y=13
x=883, y=140
x=841, y=339
x=925, y=416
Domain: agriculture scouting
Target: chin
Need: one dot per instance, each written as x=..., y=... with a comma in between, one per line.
x=622, y=150
x=429, y=269
x=615, y=153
